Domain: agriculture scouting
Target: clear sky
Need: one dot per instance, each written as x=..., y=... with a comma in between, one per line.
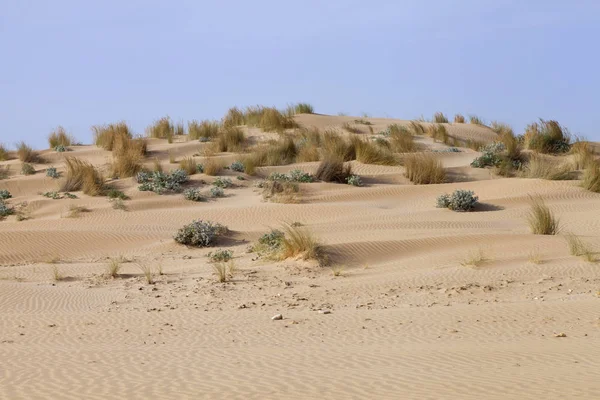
x=78, y=63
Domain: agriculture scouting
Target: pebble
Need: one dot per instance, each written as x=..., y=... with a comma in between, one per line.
x=277, y=317
x=324, y=312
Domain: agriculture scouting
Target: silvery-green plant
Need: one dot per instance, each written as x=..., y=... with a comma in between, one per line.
x=222, y=182
x=237, y=166
x=160, y=182
x=459, y=200
x=199, y=233
x=193, y=195
x=354, y=180
x=52, y=173
x=5, y=194
x=490, y=157
x=216, y=191
x=60, y=148
x=200, y=168
x=220, y=255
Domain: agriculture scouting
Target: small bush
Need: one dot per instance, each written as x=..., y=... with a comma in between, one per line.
x=159, y=182
x=189, y=165
x=237, y=166
x=60, y=148
x=541, y=220
x=234, y=117
x=200, y=233
x=203, y=130
x=424, y=169
x=440, y=118
x=116, y=194
x=295, y=175
x=26, y=154
x=459, y=119
x=474, y=119
x=269, y=243
x=106, y=135
x=220, y=255
x=354, y=180
x=162, y=129
x=212, y=167
x=216, y=191
x=5, y=194
x=231, y=139
x=60, y=138
x=547, y=137
x=491, y=156
x=82, y=175
x=459, y=200
x=222, y=182
x=5, y=209
x=280, y=191
x=27, y=169
x=52, y=195
x=333, y=170
x=193, y=195
x=3, y=153
x=591, y=177
x=545, y=168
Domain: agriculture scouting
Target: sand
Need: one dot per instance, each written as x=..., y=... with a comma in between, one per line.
x=407, y=320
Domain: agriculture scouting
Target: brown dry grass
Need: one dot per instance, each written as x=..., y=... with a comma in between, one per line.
x=541, y=220
x=334, y=146
x=299, y=242
x=231, y=139
x=401, y=140
x=332, y=169
x=459, y=119
x=128, y=156
x=212, y=166
x=583, y=154
x=424, y=169
x=417, y=128
x=105, y=136
x=543, y=167
x=369, y=153
x=281, y=152
x=440, y=118
x=234, y=117
x=203, y=129
x=26, y=154
x=60, y=138
x=82, y=175
x=281, y=191
x=189, y=165
x=162, y=128
x=4, y=154
x=439, y=133
x=591, y=177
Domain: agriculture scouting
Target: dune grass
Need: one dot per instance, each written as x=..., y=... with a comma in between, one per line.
x=369, y=153
x=548, y=137
x=148, y=273
x=225, y=270
x=280, y=152
x=212, y=166
x=459, y=119
x=439, y=133
x=26, y=154
x=113, y=268
x=475, y=120
x=417, y=128
x=299, y=242
x=579, y=248
x=281, y=191
x=335, y=146
x=583, y=154
x=4, y=171
x=541, y=220
x=332, y=169
x=82, y=175
x=231, y=139
x=299, y=108
x=350, y=128
x=401, y=140
x=234, y=117
x=4, y=154
x=128, y=156
x=189, y=165
x=424, y=169
x=440, y=118
x=542, y=167
x=534, y=256
x=75, y=211
x=204, y=129
x=591, y=177
x=105, y=136
x=162, y=128
x=60, y=138
x=475, y=258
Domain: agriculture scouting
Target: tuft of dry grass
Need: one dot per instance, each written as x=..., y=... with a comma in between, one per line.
x=439, y=133
x=350, y=128
x=299, y=242
x=4, y=155
x=417, y=128
x=475, y=258
x=105, y=136
x=334, y=146
x=548, y=137
x=234, y=117
x=76, y=211
x=172, y=157
x=332, y=169
x=579, y=248
x=281, y=191
x=583, y=154
x=212, y=166
x=299, y=108
x=424, y=169
x=369, y=153
x=280, y=152
x=128, y=156
x=204, y=129
x=113, y=268
x=401, y=140
x=57, y=276
x=60, y=138
x=459, y=119
x=440, y=118
x=308, y=153
x=156, y=165
x=272, y=120
x=162, y=128
x=535, y=257
x=543, y=167
x=82, y=175
x=337, y=270
x=474, y=119
x=189, y=165
x=541, y=220
x=147, y=272
x=591, y=177
x=4, y=171
x=231, y=139
x=225, y=270
x=26, y=154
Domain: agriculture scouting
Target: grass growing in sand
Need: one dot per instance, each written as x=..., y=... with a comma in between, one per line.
x=579, y=248
x=424, y=169
x=300, y=242
x=81, y=175
x=205, y=129
x=440, y=118
x=542, y=167
x=475, y=258
x=113, y=268
x=591, y=177
x=225, y=270
x=189, y=165
x=57, y=276
x=369, y=153
x=4, y=155
x=333, y=170
x=337, y=270
x=541, y=220
x=459, y=119
x=231, y=139
x=26, y=154
x=147, y=272
x=60, y=138
x=547, y=137
x=105, y=136
x=76, y=211
x=128, y=156
x=535, y=256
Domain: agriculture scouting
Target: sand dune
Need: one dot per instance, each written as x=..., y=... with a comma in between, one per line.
x=408, y=320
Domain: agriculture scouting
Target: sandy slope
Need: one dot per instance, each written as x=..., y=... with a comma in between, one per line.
x=407, y=319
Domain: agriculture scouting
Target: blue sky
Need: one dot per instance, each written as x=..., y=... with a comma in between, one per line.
x=80, y=63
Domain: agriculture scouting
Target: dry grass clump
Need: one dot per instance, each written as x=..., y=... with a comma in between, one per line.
x=128, y=156
x=234, y=117
x=459, y=119
x=535, y=257
x=543, y=167
x=148, y=273
x=82, y=175
x=231, y=139
x=299, y=108
x=424, y=169
x=540, y=218
x=113, y=268
x=4, y=171
x=57, y=276
x=475, y=259
x=440, y=118
x=225, y=270
x=280, y=191
x=308, y=153
x=4, y=155
x=591, y=177
x=189, y=165
x=164, y=129
x=60, y=138
x=332, y=169
x=475, y=120
x=547, y=137
x=76, y=211
x=212, y=166
x=26, y=154
x=417, y=128
x=350, y=128
x=204, y=129
x=299, y=242
x=281, y=152
x=583, y=154
x=578, y=247
x=369, y=153
x=334, y=146
x=272, y=120
x=439, y=133
x=401, y=140
x=105, y=136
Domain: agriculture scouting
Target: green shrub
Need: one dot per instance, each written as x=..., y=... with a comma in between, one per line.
x=354, y=180
x=193, y=195
x=547, y=137
x=5, y=194
x=222, y=182
x=116, y=194
x=216, y=191
x=237, y=166
x=220, y=255
x=159, y=182
x=5, y=209
x=459, y=200
x=200, y=233
x=27, y=169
